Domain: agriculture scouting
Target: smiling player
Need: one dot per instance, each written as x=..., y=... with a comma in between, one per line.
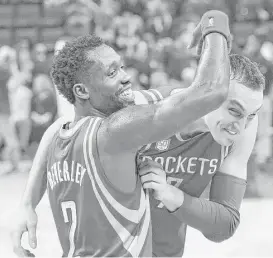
x=214, y=149
x=98, y=203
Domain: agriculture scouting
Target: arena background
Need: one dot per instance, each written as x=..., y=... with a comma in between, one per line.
x=152, y=35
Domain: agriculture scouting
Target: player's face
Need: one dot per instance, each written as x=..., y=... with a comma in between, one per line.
x=229, y=121
x=110, y=84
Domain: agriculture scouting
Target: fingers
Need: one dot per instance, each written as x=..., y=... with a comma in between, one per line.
x=148, y=162
x=151, y=185
x=150, y=177
x=196, y=35
x=29, y=254
x=200, y=47
x=32, y=238
x=229, y=43
x=151, y=169
x=16, y=243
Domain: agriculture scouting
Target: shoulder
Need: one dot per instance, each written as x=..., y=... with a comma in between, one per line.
x=52, y=129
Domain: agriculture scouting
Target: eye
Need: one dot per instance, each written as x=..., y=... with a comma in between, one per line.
x=112, y=73
x=250, y=117
x=234, y=112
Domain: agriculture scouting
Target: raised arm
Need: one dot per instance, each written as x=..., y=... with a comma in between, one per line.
x=135, y=126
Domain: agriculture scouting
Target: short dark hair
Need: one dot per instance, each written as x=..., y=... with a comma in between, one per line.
x=246, y=72
x=71, y=62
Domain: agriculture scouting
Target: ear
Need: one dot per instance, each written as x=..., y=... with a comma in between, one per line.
x=81, y=91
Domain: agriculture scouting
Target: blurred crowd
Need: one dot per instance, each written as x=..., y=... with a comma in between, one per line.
x=31, y=97
x=152, y=36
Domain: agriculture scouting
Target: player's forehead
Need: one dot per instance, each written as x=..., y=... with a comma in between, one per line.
x=244, y=97
x=105, y=55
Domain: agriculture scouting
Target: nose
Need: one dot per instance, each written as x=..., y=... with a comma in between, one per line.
x=125, y=77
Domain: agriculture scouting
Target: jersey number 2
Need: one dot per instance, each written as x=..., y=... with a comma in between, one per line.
x=71, y=206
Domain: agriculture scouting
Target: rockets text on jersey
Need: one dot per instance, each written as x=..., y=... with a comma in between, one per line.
x=190, y=164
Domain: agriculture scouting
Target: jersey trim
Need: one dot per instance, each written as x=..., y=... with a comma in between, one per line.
x=64, y=134
x=131, y=215
x=147, y=97
x=224, y=153
x=133, y=244
x=156, y=93
x=152, y=95
x=179, y=137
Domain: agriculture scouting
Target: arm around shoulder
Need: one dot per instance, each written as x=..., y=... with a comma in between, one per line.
x=134, y=126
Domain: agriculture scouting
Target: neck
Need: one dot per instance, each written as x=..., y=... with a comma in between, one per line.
x=82, y=111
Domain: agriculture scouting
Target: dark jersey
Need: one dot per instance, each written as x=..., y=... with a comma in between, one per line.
x=93, y=218
x=190, y=163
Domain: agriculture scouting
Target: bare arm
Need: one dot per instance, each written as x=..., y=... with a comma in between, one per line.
x=36, y=184
x=135, y=126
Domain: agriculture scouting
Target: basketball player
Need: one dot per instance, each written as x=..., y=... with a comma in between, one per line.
x=98, y=203
x=214, y=149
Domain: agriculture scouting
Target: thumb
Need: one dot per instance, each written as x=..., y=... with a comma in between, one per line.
x=32, y=238
x=195, y=36
x=229, y=43
x=200, y=47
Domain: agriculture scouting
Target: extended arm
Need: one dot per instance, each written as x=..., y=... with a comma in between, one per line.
x=219, y=217
x=170, y=115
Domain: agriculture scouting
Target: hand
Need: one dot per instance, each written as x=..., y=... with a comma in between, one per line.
x=153, y=177
x=212, y=21
x=27, y=222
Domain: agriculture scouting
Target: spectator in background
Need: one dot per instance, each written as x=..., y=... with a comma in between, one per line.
x=44, y=107
x=188, y=73
x=41, y=60
x=159, y=79
x=3, y=145
x=263, y=148
x=159, y=18
x=177, y=57
x=20, y=93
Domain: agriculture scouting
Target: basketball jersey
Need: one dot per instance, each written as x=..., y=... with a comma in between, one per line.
x=93, y=217
x=190, y=163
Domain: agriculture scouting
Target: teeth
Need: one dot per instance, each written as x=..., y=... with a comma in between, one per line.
x=231, y=132
x=127, y=95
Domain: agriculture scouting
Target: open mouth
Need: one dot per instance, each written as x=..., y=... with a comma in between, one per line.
x=231, y=132
x=126, y=95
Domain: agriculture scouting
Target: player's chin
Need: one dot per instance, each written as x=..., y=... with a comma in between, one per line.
x=224, y=140
x=126, y=101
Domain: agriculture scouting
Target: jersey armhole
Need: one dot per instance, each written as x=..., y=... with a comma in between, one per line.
x=147, y=97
